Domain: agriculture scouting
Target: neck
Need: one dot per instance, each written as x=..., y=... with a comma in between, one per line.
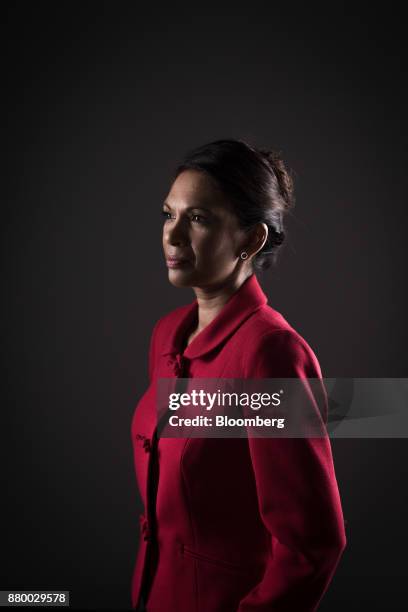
x=211, y=300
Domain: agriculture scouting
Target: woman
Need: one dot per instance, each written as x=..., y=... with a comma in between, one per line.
x=245, y=524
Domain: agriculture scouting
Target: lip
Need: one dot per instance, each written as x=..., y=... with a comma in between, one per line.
x=174, y=262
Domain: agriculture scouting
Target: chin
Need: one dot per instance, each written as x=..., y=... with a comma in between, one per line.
x=179, y=278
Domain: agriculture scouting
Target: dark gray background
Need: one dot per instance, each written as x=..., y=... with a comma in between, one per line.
x=104, y=99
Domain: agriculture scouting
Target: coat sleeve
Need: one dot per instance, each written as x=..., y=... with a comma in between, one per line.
x=298, y=497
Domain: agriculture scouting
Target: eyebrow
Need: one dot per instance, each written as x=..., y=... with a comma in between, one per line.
x=190, y=207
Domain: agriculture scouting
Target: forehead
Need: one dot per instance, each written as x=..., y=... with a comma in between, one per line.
x=195, y=188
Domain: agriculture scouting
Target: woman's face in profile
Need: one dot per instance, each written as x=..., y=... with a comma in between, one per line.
x=201, y=237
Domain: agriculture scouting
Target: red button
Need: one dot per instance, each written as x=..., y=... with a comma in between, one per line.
x=144, y=527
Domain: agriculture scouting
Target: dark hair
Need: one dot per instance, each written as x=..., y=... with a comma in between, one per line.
x=256, y=182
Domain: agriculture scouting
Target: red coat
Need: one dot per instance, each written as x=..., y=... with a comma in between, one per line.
x=234, y=525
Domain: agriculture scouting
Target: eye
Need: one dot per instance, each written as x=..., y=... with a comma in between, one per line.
x=195, y=218
x=198, y=218
x=166, y=214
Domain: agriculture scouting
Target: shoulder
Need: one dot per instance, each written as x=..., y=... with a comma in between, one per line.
x=273, y=348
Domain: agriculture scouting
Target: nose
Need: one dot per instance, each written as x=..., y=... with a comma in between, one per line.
x=175, y=233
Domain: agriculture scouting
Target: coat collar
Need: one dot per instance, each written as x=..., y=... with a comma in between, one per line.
x=246, y=300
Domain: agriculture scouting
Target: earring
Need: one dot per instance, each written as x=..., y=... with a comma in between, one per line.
x=244, y=255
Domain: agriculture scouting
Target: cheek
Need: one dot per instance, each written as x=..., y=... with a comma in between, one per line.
x=219, y=245
x=214, y=253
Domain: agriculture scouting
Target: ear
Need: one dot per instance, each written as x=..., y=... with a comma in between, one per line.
x=256, y=239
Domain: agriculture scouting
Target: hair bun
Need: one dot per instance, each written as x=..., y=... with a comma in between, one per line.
x=283, y=176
